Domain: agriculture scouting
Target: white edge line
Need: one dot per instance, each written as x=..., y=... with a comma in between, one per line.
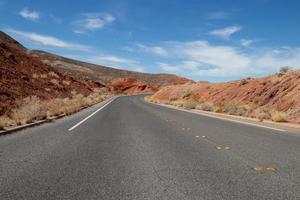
x=76, y=125
x=223, y=118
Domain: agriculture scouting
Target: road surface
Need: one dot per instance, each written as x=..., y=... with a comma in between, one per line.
x=131, y=149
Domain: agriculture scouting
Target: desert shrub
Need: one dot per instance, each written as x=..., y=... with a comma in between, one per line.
x=285, y=69
x=172, y=98
x=278, y=116
x=189, y=105
x=55, y=107
x=219, y=107
x=206, y=106
x=235, y=109
x=31, y=109
x=243, y=82
x=250, y=110
x=5, y=121
x=178, y=104
x=262, y=114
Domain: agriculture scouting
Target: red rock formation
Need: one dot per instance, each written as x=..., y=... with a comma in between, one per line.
x=280, y=91
x=23, y=75
x=131, y=86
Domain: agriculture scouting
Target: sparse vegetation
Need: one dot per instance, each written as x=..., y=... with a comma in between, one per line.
x=279, y=116
x=31, y=109
x=244, y=81
x=235, y=109
x=206, y=106
x=262, y=114
x=189, y=105
x=285, y=69
x=238, y=109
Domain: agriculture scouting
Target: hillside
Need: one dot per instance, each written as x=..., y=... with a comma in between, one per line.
x=280, y=92
x=22, y=75
x=85, y=71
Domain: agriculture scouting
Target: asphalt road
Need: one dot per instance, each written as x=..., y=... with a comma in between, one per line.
x=131, y=149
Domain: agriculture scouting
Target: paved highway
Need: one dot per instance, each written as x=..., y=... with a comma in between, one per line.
x=131, y=149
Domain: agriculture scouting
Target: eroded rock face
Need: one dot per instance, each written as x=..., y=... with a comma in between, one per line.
x=131, y=86
x=22, y=75
x=280, y=91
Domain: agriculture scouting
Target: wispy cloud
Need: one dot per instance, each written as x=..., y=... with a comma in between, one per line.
x=113, y=59
x=92, y=21
x=30, y=15
x=202, y=59
x=218, y=15
x=225, y=33
x=139, y=69
x=46, y=40
x=246, y=43
x=167, y=67
x=158, y=50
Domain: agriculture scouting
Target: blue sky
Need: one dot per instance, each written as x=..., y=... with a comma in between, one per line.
x=201, y=39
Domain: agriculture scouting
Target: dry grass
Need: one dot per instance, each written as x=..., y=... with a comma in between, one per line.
x=189, y=105
x=5, y=122
x=235, y=109
x=278, y=116
x=262, y=114
x=31, y=109
x=206, y=106
x=239, y=109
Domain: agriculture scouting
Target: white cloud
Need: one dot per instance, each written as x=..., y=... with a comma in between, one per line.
x=218, y=15
x=30, y=15
x=153, y=49
x=46, y=40
x=113, y=59
x=92, y=22
x=139, y=69
x=226, y=32
x=190, y=65
x=246, y=43
x=214, y=57
x=168, y=68
x=202, y=59
x=276, y=58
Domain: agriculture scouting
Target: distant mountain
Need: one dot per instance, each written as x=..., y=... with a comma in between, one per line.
x=85, y=71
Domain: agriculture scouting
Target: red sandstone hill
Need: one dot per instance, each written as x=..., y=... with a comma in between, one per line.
x=85, y=71
x=22, y=75
x=26, y=73
x=280, y=91
x=131, y=86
